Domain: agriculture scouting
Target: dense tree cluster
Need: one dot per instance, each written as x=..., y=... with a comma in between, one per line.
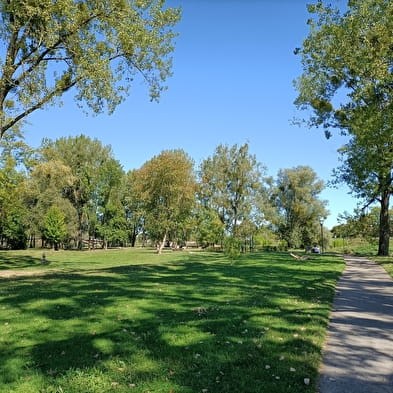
x=73, y=193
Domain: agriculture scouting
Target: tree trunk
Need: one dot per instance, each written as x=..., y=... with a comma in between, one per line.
x=133, y=236
x=80, y=230
x=384, y=225
x=160, y=245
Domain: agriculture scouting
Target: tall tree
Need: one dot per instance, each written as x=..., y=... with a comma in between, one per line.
x=96, y=46
x=132, y=205
x=111, y=219
x=13, y=214
x=209, y=229
x=13, y=223
x=299, y=207
x=166, y=186
x=231, y=183
x=44, y=189
x=347, y=83
x=86, y=158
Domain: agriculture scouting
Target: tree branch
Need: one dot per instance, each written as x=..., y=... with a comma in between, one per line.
x=38, y=105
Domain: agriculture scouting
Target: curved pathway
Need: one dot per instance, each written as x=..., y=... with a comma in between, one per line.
x=358, y=356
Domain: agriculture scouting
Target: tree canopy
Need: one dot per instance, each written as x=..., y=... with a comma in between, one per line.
x=166, y=187
x=96, y=46
x=299, y=209
x=347, y=83
x=74, y=193
x=232, y=184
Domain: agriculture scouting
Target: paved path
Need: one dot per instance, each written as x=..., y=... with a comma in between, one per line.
x=358, y=356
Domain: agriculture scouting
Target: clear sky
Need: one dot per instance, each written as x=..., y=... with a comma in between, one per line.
x=233, y=83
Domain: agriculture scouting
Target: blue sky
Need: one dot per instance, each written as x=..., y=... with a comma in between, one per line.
x=233, y=83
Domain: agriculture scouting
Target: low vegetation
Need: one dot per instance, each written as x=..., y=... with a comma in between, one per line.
x=182, y=322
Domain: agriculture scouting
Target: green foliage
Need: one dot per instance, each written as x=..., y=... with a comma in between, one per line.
x=209, y=227
x=129, y=321
x=359, y=224
x=299, y=209
x=111, y=224
x=232, y=184
x=13, y=213
x=14, y=229
x=54, y=227
x=93, y=177
x=94, y=46
x=348, y=55
x=166, y=187
x=162, y=201
x=232, y=247
x=132, y=205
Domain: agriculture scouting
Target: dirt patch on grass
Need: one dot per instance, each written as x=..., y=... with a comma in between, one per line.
x=20, y=273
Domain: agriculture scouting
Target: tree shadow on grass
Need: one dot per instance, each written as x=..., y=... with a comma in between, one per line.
x=18, y=262
x=185, y=327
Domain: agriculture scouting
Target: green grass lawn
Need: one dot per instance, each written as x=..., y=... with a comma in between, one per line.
x=133, y=321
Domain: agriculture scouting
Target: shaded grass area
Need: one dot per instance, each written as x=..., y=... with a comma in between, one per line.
x=129, y=320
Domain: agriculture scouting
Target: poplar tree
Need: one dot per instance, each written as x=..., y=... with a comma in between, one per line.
x=232, y=184
x=299, y=208
x=166, y=187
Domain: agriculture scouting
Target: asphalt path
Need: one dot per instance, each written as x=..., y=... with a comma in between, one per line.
x=358, y=355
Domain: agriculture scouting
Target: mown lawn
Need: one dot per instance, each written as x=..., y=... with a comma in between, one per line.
x=133, y=321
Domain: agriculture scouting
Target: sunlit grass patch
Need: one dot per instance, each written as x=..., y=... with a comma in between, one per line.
x=386, y=263
x=134, y=321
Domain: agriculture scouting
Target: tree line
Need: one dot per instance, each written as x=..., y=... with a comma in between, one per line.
x=73, y=193
x=97, y=47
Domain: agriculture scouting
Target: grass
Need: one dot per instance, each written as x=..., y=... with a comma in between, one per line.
x=133, y=321
x=386, y=263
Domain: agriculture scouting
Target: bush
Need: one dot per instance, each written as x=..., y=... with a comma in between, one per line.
x=232, y=247
x=14, y=231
